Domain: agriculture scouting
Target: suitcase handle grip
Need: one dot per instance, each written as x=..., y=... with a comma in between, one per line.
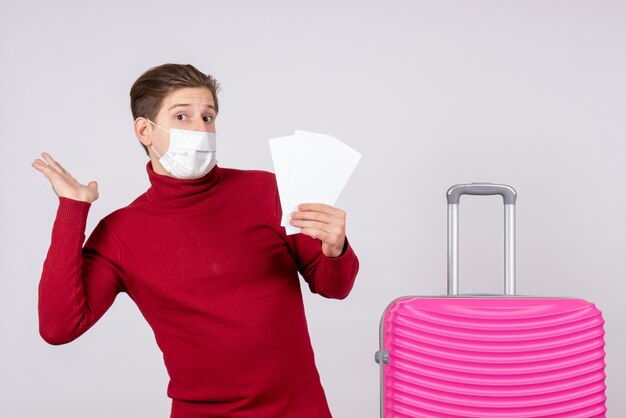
x=507, y=192
x=509, y=197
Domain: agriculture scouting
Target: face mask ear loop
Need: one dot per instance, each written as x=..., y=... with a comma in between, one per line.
x=166, y=130
x=155, y=151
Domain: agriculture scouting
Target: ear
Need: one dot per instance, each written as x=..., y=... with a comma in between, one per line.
x=143, y=131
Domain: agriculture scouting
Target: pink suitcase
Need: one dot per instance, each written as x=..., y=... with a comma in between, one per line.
x=490, y=356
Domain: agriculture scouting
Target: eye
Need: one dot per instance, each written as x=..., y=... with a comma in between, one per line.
x=207, y=118
x=181, y=116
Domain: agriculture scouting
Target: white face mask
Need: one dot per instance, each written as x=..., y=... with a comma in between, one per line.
x=191, y=154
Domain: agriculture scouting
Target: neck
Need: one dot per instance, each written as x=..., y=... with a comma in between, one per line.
x=156, y=165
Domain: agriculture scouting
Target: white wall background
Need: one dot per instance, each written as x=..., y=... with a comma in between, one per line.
x=433, y=93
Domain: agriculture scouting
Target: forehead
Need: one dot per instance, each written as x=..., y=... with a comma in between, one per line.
x=194, y=96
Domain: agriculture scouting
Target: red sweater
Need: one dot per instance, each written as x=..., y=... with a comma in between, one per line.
x=215, y=276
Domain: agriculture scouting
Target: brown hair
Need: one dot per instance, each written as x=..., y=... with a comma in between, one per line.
x=148, y=92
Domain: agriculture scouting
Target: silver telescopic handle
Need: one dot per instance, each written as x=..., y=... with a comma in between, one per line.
x=509, y=197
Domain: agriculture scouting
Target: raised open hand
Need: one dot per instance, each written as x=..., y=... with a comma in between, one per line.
x=63, y=184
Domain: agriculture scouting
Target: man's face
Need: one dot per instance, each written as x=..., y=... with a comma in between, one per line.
x=190, y=108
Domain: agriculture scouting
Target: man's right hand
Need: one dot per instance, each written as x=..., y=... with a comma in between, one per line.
x=63, y=184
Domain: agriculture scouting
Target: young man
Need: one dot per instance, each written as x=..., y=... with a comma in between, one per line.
x=204, y=257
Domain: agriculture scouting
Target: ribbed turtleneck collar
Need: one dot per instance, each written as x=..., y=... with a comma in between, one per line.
x=166, y=188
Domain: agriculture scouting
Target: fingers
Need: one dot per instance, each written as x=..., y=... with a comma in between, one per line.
x=52, y=163
x=49, y=167
x=320, y=213
x=314, y=216
x=332, y=244
x=331, y=234
x=63, y=184
x=321, y=207
x=42, y=167
x=322, y=227
x=324, y=222
x=38, y=164
x=318, y=233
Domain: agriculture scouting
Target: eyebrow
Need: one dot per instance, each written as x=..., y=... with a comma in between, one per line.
x=186, y=105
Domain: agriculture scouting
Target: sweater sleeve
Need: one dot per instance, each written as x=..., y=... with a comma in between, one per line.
x=331, y=277
x=78, y=284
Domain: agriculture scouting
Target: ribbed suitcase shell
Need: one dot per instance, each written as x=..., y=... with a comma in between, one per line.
x=497, y=357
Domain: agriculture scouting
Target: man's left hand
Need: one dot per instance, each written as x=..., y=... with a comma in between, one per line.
x=324, y=222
